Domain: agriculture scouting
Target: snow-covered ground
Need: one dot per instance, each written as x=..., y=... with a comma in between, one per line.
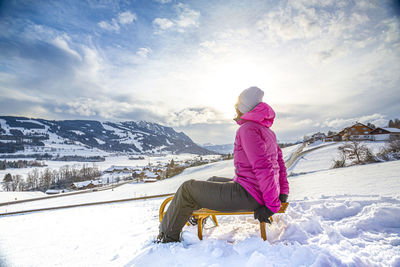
x=288, y=151
x=337, y=217
x=15, y=195
x=322, y=158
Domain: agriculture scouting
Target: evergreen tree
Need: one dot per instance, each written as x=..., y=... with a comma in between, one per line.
x=396, y=123
x=3, y=165
x=371, y=125
x=7, y=182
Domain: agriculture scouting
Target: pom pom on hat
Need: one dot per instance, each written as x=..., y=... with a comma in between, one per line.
x=249, y=99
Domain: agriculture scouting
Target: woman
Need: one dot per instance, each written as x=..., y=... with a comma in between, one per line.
x=260, y=183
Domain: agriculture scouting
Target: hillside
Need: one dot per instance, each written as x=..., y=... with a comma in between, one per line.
x=337, y=217
x=27, y=135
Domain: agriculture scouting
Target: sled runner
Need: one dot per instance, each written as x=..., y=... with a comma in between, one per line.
x=201, y=214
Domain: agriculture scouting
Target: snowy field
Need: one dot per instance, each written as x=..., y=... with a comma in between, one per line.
x=322, y=158
x=341, y=217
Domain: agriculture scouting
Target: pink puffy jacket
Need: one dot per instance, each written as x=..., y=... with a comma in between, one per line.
x=259, y=167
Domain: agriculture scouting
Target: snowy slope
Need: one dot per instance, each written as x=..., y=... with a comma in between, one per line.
x=288, y=151
x=322, y=158
x=341, y=217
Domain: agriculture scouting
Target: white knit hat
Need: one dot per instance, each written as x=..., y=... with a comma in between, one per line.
x=249, y=99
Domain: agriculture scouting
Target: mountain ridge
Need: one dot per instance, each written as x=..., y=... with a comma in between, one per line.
x=139, y=137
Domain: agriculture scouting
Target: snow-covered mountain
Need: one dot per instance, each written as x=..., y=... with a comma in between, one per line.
x=222, y=149
x=19, y=133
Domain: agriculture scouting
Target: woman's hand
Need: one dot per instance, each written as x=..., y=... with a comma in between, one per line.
x=262, y=214
x=283, y=197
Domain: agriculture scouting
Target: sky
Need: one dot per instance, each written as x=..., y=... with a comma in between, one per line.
x=322, y=64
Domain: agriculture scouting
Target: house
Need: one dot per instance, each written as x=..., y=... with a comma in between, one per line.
x=55, y=191
x=358, y=132
x=152, y=175
x=385, y=134
x=150, y=180
x=86, y=184
x=317, y=136
x=333, y=138
x=119, y=169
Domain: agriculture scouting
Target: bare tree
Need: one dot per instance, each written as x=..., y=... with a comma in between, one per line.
x=357, y=152
x=15, y=183
x=341, y=162
x=32, y=180
x=45, y=179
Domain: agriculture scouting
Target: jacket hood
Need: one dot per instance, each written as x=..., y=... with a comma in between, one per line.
x=262, y=114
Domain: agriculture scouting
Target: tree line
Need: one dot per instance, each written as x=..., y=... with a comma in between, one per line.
x=17, y=164
x=47, y=178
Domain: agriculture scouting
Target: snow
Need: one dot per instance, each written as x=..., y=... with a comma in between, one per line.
x=4, y=126
x=116, y=131
x=322, y=158
x=392, y=130
x=11, y=196
x=288, y=151
x=77, y=132
x=86, y=183
x=316, y=144
x=99, y=141
x=337, y=217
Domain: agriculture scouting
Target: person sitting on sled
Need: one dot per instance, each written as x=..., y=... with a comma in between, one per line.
x=260, y=183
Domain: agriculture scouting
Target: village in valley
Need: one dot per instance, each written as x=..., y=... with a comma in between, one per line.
x=118, y=175
x=74, y=177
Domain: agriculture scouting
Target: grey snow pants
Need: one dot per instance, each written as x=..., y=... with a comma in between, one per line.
x=217, y=193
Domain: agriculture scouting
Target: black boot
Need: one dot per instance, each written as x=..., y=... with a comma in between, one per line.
x=162, y=238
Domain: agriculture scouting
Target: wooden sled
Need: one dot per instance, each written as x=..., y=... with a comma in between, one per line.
x=201, y=214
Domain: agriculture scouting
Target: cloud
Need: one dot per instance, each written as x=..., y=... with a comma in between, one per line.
x=111, y=26
x=202, y=133
x=123, y=18
x=163, y=1
x=105, y=107
x=126, y=17
x=195, y=116
x=62, y=43
x=339, y=123
x=143, y=52
x=163, y=23
x=186, y=18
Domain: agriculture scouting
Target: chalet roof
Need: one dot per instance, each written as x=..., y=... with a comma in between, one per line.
x=150, y=174
x=361, y=124
x=120, y=168
x=386, y=130
x=86, y=183
x=150, y=180
x=392, y=130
